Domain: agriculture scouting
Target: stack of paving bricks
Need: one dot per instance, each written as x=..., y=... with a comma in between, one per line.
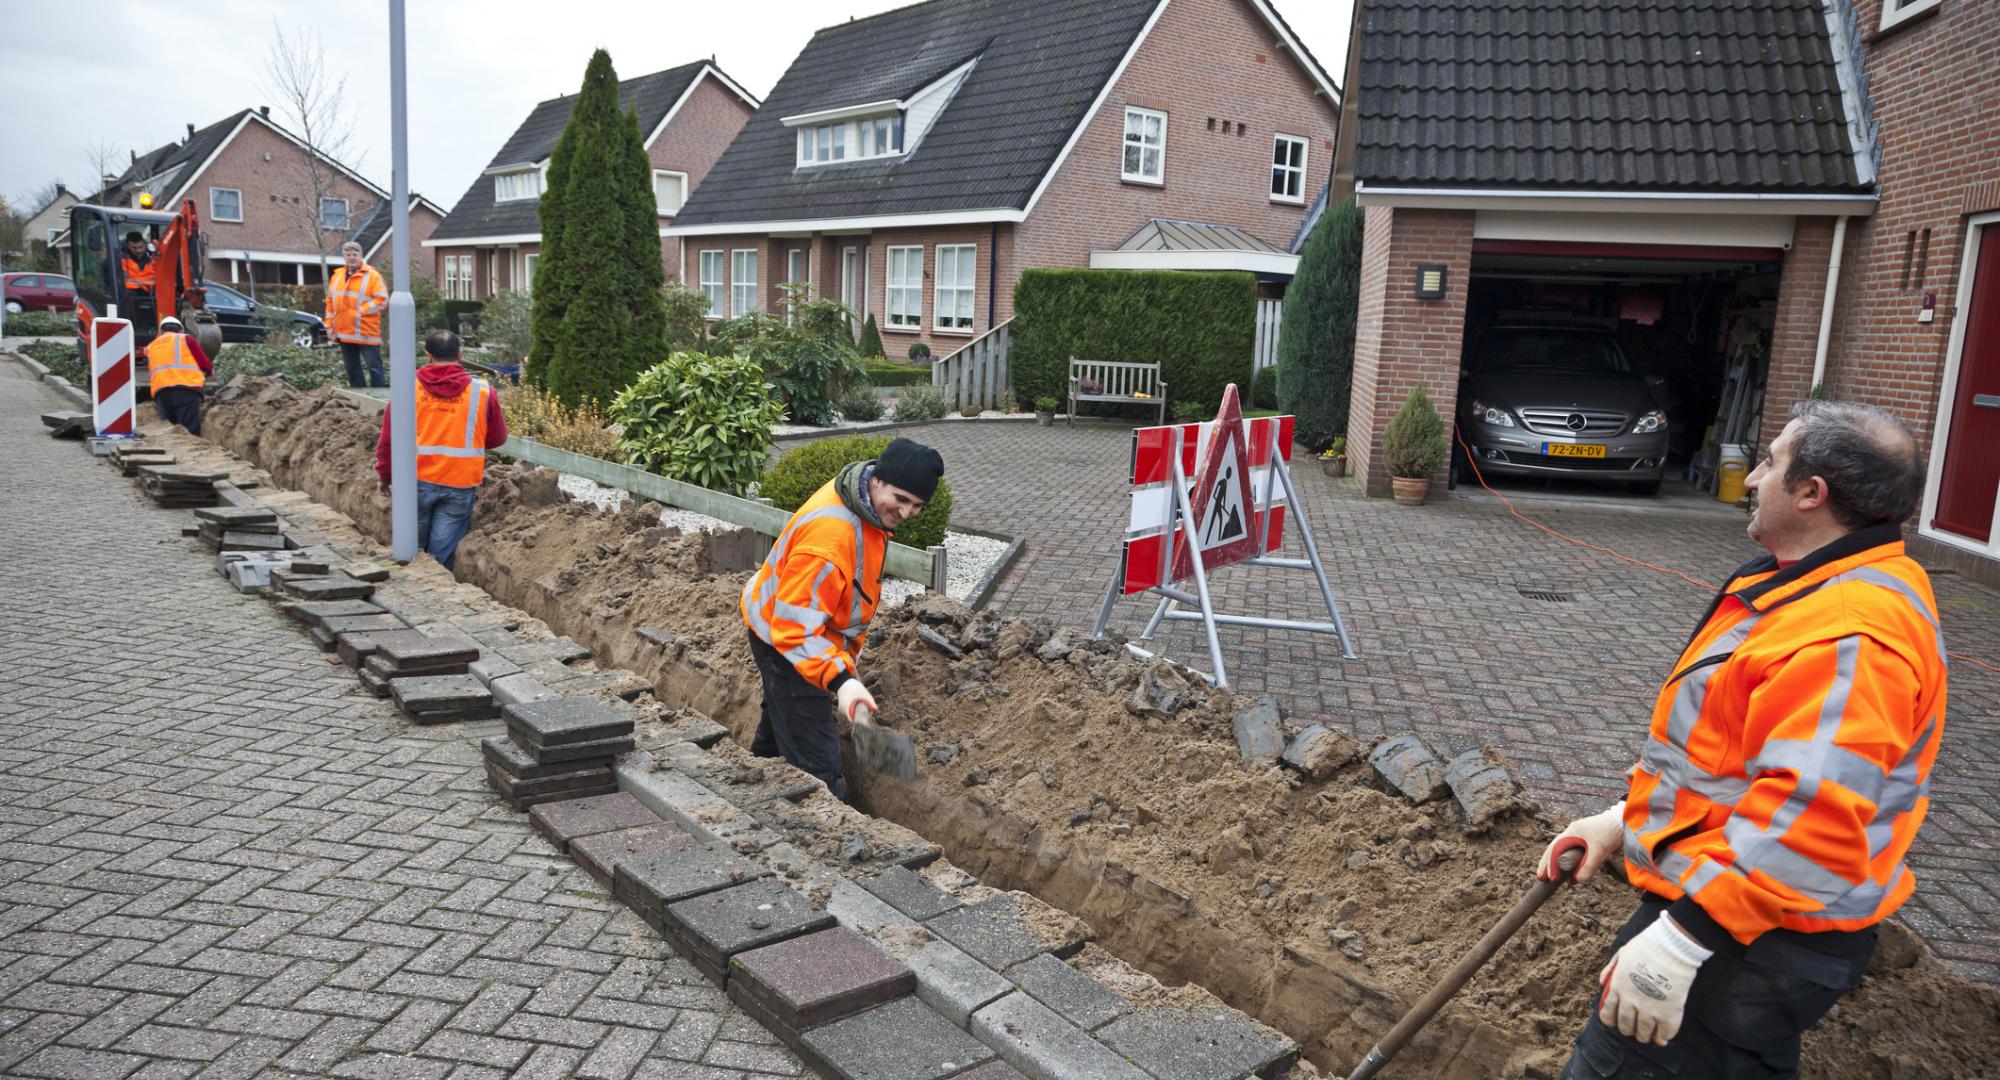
x=128, y=454
x=556, y=748
x=238, y=528
x=176, y=485
x=327, y=621
x=67, y=425
x=410, y=654
x=443, y=699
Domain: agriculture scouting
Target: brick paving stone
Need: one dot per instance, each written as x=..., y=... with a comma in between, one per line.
x=1195, y=1044
x=992, y=931
x=1040, y=1043
x=214, y=869
x=1448, y=647
x=563, y=822
x=600, y=855
x=903, y=1040
x=711, y=928
x=818, y=978
x=1077, y=997
x=909, y=892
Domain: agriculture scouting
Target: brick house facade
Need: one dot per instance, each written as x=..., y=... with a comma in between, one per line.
x=490, y=244
x=1226, y=76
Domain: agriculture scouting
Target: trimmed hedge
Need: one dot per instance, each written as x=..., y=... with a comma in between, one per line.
x=1199, y=327
x=895, y=373
x=795, y=477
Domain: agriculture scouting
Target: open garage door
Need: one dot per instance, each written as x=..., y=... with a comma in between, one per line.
x=1623, y=366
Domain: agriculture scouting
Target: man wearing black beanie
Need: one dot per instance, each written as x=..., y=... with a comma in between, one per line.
x=808, y=607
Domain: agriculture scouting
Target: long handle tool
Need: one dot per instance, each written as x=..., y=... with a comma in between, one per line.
x=1568, y=854
x=881, y=749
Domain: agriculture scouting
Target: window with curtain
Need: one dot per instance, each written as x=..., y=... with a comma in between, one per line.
x=957, y=265
x=714, y=283
x=905, y=307
x=1145, y=145
x=743, y=282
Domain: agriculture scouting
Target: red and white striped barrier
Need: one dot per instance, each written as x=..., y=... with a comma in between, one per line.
x=112, y=393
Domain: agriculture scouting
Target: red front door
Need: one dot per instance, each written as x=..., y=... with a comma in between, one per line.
x=1972, y=452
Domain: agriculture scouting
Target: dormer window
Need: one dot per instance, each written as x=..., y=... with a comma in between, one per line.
x=517, y=185
x=854, y=139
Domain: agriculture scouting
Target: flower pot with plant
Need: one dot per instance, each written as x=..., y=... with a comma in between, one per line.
x=1045, y=410
x=1414, y=445
x=1333, y=459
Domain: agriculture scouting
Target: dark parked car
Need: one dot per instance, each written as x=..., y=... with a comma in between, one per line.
x=28, y=291
x=1560, y=400
x=237, y=315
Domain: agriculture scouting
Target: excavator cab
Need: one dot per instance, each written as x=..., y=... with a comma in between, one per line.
x=169, y=246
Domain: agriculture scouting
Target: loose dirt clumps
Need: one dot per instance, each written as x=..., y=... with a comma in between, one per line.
x=1112, y=789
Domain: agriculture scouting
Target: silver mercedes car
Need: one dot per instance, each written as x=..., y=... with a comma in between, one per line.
x=1559, y=400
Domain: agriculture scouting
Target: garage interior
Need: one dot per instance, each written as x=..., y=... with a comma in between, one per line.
x=1696, y=322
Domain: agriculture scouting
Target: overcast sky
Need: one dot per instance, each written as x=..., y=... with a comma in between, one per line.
x=76, y=71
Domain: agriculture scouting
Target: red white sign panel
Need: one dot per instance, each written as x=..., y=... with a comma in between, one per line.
x=112, y=395
x=1238, y=510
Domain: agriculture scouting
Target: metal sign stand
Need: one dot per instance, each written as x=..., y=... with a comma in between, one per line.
x=1182, y=520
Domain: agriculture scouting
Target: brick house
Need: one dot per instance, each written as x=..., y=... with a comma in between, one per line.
x=45, y=226
x=491, y=240
x=1013, y=134
x=1708, y=166
x=247, y=177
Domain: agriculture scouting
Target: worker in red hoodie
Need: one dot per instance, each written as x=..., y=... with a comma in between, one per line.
x=458, y=420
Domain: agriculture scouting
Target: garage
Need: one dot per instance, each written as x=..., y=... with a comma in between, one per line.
x=1607, y=367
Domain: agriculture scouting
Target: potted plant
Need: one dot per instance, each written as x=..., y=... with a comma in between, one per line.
x=1414, y=446
x=1045, y=409
x=1333, y=459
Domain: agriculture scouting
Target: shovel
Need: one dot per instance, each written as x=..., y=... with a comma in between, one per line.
x=881, y=750
x=1567, y=856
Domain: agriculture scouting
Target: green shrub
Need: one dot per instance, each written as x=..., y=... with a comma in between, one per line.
x=1414, y=442
x=41, y=324
x=536, y=414
x=277, y=325
x=1316, y=335
x=307, y=369
x=1264, y=388
x=919, y=351
x=506, y=327
x=686, y=317
x=895, y=372
x=1045, y=403
x=702, y=419
x=1189, y=412
x=809, y=359
x=871, y=338
x=861, y=405
x=922, y=402
x=1200, y=327
x=795, y=477
x=60, y=357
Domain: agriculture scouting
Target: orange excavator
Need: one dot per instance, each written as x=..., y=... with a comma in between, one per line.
x=140, y=264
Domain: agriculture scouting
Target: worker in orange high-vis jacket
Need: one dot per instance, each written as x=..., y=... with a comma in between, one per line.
x=176, y=371
x=458, y=420
x=136, y=266
x=1787, y=771
x=355, y=300
x=808, y=607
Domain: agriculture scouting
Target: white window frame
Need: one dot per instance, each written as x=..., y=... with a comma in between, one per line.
x=682, y=178
x=905, y=287
x=964, y=284
x=458, y=277
x=215, y=215
x=493, y=273
x=526, y=184
x=1293, y=174
x=529, y=263
x=345, y=216
x=716, y=288
x=843, y=140
x=850, y=291
x=1893, y=15
x=743, y=297
x=1125, y=140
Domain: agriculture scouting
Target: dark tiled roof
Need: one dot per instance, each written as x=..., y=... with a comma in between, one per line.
x=377, y=222
x=478, y=215
x=1663, y=95
x=1161, y=234
x=179, y=157
x=1041, y=64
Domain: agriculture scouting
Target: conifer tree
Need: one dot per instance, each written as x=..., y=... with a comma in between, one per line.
x=1316, y=334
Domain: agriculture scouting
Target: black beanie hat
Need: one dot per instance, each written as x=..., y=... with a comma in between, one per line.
x=911, y=466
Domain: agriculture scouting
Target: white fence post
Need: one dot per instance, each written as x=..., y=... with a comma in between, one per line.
x=1269, y=314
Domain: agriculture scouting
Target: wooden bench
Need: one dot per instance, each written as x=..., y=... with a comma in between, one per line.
x=1127, y=384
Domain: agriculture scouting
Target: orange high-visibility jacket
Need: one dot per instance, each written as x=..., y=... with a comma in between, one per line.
x=354, y=304
x=1790, y=759
x=451, y=436
x=139, y=273
x=170, y=364
x=815, y=595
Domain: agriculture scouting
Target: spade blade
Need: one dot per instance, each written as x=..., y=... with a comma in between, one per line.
x=881, y=750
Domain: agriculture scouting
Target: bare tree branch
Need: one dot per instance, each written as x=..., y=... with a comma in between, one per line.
x=312, y=101
x=106, y=160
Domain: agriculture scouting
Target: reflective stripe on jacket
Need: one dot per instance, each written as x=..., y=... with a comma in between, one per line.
x=813, y=598
x=1790, y=759
x=354, y=304
x=169, y=364
x=451, y=437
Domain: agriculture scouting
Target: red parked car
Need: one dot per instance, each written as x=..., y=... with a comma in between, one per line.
x=28, y=291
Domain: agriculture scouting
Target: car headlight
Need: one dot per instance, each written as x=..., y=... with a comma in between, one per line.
x=1650, y=422
x=1491, y=414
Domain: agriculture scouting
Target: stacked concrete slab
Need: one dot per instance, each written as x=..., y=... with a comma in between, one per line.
x=179, y=485
x=556, y=748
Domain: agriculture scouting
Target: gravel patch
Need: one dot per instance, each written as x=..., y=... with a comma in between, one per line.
x=598, y=495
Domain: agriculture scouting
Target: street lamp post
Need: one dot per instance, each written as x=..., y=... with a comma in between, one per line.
x=402, y=311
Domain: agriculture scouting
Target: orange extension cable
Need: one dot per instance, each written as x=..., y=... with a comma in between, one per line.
x=1473, y=460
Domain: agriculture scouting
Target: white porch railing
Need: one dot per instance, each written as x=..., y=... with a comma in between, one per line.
x=1269, y=314
x=978, y=372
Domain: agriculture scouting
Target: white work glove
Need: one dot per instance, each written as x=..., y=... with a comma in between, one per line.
x=1646, y=984
x=1603, y=834
x=851, y=694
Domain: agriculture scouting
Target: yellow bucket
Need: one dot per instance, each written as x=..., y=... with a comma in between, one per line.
x=1729, y=474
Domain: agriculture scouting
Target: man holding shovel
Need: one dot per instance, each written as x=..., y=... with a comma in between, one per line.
x=1788, y=770
x=809, y=605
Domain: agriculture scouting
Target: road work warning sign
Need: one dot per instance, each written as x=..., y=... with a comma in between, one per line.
x=1235, y=505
